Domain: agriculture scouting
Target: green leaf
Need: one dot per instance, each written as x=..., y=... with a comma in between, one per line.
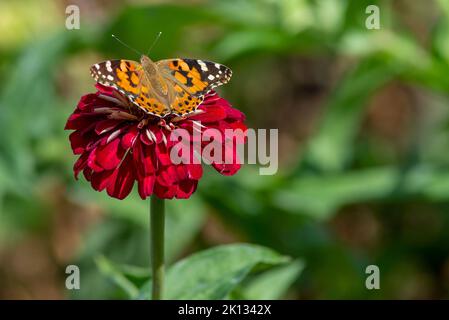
x=114, y=273
x=214, y=273
x=273, y=284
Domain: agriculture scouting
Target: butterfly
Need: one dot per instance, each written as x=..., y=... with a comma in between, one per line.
x=165, y=87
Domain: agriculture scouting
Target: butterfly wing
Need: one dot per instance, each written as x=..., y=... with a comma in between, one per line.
x=191, y=80
x=128, y=77
x=183, y=102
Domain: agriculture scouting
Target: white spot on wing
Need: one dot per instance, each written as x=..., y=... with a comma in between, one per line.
x=211, y=77
x=202, y=65
x=108, y=66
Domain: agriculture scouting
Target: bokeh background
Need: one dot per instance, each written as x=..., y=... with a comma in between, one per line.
x=363, y=119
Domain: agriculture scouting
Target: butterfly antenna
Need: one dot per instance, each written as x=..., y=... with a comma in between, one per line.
x=139, y=53
x=154, y=42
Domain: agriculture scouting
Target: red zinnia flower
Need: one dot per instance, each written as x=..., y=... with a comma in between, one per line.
x=119, y=144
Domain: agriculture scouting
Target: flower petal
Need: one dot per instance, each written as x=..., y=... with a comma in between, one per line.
x=168, y=176
x=80, y=164
x=109, y=91
x=109, y=155
x=78, y=141
x=91, y=162
x=211, y=113
x=163, y=155
x=146, y=186
x=164, y=192
x=226, y=169
x=104, y=126
x=186, y=188
x=122, y=180
x=143, y=156
x=195, y=171
x=234, y=114
x=129, y=138
x=100, y=180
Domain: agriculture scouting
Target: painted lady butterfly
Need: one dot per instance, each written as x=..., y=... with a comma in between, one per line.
x=172, y=86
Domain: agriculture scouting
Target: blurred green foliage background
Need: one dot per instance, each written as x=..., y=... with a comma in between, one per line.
x=363, y=119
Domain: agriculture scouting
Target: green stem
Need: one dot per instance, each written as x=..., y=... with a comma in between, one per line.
x=157, y=217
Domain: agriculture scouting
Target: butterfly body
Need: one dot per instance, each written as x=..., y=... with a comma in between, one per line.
x=172, y=86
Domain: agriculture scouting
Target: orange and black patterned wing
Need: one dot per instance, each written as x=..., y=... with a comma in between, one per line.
x=183, y=102
x=128, y=77
x=192, y=79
